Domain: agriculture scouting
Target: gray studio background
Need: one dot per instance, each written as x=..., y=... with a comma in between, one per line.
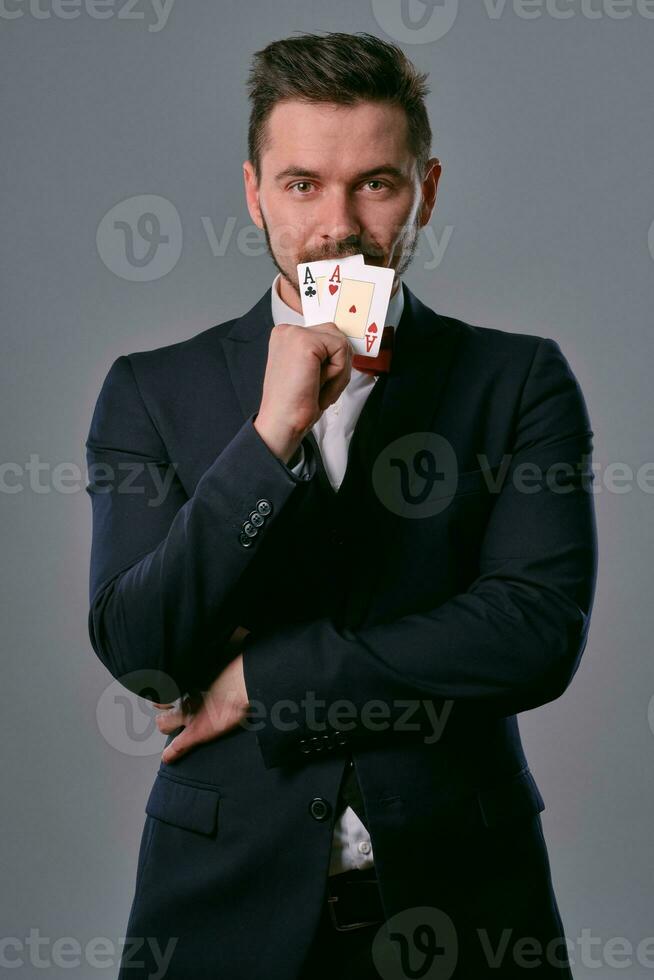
x=543, y=224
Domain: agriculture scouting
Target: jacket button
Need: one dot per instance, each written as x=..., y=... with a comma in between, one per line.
x=336, y=537
x=250, y=529
x=319, y=809
x=264, y=507
x=256, y=518
x=245, y=541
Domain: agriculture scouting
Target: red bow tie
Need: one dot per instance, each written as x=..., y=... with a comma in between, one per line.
x=380, y=364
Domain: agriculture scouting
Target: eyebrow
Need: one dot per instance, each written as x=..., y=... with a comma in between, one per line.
x=385, y=168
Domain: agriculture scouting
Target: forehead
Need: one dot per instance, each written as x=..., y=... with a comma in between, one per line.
x=338, y=138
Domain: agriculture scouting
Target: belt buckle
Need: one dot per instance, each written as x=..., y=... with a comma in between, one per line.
x=339, y=926
x=346, y=926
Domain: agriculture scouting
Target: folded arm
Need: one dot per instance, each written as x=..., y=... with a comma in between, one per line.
x=510, y=642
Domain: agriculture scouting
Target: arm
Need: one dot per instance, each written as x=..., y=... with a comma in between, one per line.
x=512, y=641
x=163, y=565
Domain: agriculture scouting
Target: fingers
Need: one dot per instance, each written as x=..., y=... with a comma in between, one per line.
x=178, y=713
x=201, y=728
x=171, y=719
x=337, y=374
x=237, y=638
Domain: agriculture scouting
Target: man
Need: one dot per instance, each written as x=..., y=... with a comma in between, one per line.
x=344, y=792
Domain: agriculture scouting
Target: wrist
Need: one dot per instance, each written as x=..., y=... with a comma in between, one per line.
x=284, y=444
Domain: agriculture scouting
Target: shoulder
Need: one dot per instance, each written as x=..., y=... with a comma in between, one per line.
x=478, y=340
x=183, y=355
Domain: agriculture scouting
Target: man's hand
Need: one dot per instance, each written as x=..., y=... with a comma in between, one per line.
x=306, y=371
x=210, y=713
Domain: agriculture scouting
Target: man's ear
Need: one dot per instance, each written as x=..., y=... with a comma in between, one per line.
x=429, y=189
x=252, y=193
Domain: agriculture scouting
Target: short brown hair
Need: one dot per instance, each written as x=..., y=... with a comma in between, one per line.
x=342, y=69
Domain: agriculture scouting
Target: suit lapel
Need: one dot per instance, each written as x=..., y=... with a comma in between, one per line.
x=246, y=352
x=423, y=351
x=424, y=348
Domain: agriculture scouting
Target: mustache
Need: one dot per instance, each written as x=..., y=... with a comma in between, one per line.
x=343, y=250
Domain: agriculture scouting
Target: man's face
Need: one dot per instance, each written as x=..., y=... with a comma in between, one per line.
x=335, y=181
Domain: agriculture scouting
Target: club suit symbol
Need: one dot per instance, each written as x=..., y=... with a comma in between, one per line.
x=415, y=21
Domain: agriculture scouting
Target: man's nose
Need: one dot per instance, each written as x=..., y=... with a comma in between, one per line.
x=338, y=219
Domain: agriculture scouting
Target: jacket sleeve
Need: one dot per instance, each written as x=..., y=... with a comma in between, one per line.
x=510, y=642
x=163, y=564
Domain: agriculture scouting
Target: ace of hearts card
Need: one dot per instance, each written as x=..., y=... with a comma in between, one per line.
x=350, y=294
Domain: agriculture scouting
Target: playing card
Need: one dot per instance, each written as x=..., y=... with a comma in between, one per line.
x=320, y=284
x=353, y=306
x=362, y=305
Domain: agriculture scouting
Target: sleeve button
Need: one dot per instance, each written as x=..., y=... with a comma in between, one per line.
x=245, y=541
x=264, y=507
x=250, y=529
x=256, y=518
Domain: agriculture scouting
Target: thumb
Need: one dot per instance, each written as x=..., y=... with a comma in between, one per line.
x=193, y=734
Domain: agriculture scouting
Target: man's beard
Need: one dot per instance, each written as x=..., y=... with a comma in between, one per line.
x=350, y=246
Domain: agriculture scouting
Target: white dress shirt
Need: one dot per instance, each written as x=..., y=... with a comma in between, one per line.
x=351, y=847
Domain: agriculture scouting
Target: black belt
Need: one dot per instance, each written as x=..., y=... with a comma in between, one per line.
x=354, y=900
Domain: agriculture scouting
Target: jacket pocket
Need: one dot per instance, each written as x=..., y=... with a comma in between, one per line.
x=511, y=799
x=184, y=805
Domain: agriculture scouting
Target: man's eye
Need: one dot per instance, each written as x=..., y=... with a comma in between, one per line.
x=300, y=183
x=381, y=184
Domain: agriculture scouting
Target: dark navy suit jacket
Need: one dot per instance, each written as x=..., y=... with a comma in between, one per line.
x=473, y=612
